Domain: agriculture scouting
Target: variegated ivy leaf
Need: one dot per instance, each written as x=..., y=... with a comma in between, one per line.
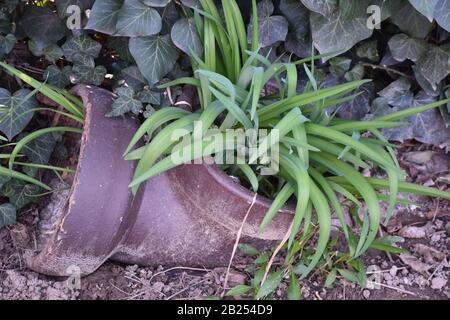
x=62, y=6
x=442, y=14
x=15, y=111
x=20, y=193
x=136, y=19
x=425, y=7
x=149, y=96
x=104, y=14
x=77, y=49
x=434, y=65
x=412, y=22
x=59, y=78
x=185, y=37
x=7, y=215
x=404, y=47
x=52, y=52
x=88, y=74
x=336, y=33
x=7, y=43
x=42, y=24
x=324, y=7
x=155, y=56
x=157, y=3
x=125, y=102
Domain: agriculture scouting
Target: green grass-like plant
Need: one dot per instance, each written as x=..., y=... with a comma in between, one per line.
x=321, y=156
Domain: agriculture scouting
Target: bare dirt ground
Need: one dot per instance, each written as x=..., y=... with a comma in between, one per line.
x=421, y=274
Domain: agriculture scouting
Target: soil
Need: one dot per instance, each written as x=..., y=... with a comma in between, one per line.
x=421, y=274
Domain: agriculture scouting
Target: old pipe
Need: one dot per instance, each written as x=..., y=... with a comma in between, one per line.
x=188, y=216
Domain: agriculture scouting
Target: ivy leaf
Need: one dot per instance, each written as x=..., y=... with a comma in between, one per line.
x=442, y=14
x=404, y=47
x=337, y=33
x=15, y=111
x=297, y=15
x=357, y=73
x=57, y=77
x=52, y=52
x=7, y=43
x=20, y=193
x=62, y=5
x=434, y=65
x=120, y=45
x=368, y=50
x=425, y=7
x=40, y=149
x=88, y=74
x=7, y=215
x=271, y=30
x=148, y=96
x=395, y=89
x=136, y=19
x=185, y=37
x=76, y=49
x=359, y=106
x=339, y=66
x=157, y=3
x=154, y=55
x=412, y=22
x=133, y=78
x=125, y=103
x=104, y=15
x=427, y=127
x=325, y=7
x=42, y=24
x=270, y=285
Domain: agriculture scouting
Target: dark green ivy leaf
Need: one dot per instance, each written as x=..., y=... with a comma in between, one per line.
x=442, y=14
x=136, y=19
x=52, y=52
x=7, y=43
x=20, y=193
x=412, y=22
x=404, y=47
x=77, y=49
x=57, y=77
x=15, y=111
x=155, y=56
x=125, y=102
x=7, y=215
x=42, y=24
x=185, y=37
x=104, y=14
x=325, y=7
x=425, y=7
x=434, y=65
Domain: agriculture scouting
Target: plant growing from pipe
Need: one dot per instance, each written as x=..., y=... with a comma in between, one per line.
x=320, y=155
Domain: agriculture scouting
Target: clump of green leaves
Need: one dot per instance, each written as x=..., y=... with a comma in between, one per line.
x=30, y=150
x=321, y=155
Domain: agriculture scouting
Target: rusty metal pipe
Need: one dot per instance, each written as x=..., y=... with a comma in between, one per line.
x=188, y=216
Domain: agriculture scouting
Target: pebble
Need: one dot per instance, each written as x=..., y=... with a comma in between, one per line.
x=366, y=294
x=393, y=271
